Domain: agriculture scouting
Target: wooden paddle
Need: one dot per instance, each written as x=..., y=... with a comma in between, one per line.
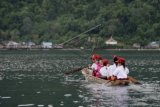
x=79, y=69
x=73, y=71
x=133, y=80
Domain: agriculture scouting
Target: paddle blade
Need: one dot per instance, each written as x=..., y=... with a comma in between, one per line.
x=133, y=80
x=73, y=71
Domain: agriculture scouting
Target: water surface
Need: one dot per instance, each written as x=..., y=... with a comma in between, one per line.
x=36, y=79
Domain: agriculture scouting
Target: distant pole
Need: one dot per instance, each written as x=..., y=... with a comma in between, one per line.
x=81, y=34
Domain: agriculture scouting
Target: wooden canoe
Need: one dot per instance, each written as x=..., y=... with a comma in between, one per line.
x=88, y=75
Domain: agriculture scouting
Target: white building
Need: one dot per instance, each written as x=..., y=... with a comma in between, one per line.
x=47, y=45
x=12, y=44
x=153, y=44
x=30, y=44
x=136, y=45
x=58, y=46
x=111, y=41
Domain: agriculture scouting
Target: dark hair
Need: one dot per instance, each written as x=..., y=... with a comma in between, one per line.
x=115, y=59
x=104, y=64
x=124, y=66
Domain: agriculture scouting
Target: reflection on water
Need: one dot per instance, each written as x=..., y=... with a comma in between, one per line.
x=125, y=96
x=102, y=96
x=36, y=79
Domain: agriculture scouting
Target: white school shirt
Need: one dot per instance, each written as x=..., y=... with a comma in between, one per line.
x=104, y=71
x=126, y=70
x=120, y=72
x=94, y=66
x=112, y=68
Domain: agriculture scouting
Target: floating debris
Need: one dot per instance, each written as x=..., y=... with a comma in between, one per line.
x=68, y=95
x=25, y=105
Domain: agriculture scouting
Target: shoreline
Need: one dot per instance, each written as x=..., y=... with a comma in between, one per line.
x=36, y=49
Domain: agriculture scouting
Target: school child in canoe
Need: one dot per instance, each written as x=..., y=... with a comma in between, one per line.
x=121, y=72
x=104, y=71
x=96, y=59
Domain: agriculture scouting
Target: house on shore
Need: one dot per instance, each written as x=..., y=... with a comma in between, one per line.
x=111, y=41
x=47, y=45
x=30, y=45
x=136, y=45
x=12, y=45
x=154, y=45
x=58, y=46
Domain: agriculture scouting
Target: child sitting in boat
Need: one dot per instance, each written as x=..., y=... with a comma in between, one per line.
x=113, y=67
x=115, y=63
x=96, y=63
x=121, y=71
x=104, y=71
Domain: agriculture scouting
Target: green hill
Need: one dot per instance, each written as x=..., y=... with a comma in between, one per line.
x=129, y=21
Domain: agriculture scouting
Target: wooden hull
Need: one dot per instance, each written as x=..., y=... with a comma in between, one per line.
x=87, y=73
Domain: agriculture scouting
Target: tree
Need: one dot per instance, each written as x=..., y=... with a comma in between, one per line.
x=27, y=26
x=58, y=20
x=15, y=35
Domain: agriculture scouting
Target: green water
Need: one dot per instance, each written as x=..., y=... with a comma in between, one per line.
x=36, y=79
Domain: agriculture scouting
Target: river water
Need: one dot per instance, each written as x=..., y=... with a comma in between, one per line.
x=36, y=79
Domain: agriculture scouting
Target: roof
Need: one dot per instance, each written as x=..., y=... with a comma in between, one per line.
x=111, y=41
x=46, y=43
x=12, y=43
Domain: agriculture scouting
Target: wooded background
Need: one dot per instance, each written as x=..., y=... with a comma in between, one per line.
x=128, y=21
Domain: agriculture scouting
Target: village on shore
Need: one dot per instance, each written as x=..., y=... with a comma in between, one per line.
x=29, y=45
x=7, y=45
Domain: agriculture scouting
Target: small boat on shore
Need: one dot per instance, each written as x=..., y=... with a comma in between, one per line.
x=88, y=75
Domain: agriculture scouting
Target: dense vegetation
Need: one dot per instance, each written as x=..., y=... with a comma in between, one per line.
x=129, y=21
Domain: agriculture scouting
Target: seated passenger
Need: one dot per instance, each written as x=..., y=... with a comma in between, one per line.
x=104, y=71
x=121, y=71
x=96, y=63
x=113, y=67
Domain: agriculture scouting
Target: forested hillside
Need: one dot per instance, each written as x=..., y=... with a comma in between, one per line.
x=128, y=21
